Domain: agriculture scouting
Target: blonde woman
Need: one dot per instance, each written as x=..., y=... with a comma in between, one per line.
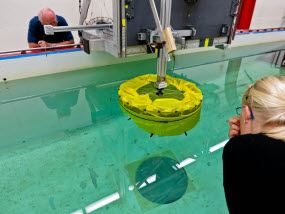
x=254, y=158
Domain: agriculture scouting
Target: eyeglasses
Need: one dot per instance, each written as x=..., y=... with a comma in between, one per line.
x=239, y=110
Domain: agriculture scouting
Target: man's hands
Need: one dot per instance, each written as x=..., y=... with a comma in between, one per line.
x=44, y=44
x=234, y=124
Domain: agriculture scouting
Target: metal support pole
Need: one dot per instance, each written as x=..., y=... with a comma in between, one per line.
x=156, y=19
x=84, y=11
x=163, y=57
x=162, y=22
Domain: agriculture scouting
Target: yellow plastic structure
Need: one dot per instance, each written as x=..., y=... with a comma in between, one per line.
x=173, y=113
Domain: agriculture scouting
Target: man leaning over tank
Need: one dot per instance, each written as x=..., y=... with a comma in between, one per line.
x=36, y=35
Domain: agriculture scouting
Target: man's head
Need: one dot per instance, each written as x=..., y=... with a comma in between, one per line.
x=47, y=17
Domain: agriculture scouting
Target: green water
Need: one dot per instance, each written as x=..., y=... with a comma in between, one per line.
x=65, y=144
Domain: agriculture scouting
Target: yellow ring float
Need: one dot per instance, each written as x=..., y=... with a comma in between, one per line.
x=173, y=113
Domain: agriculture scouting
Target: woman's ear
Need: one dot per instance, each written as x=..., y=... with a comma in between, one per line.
x=245, y=121
x=247, y=113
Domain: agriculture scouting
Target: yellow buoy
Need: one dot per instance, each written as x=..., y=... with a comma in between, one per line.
x=173, y=113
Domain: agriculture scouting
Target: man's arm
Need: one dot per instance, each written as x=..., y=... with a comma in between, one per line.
x=68, y=37
x=33, y=45
x=47, y=44
x=32, y=35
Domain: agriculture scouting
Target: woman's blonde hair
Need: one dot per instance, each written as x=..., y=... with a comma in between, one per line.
x=267, y=98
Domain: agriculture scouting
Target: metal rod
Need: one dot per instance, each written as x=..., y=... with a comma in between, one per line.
x=156, y=19
x=50, y=30
x=168, y=12
x=163, y=57
x=163, y=13
x=84, y=11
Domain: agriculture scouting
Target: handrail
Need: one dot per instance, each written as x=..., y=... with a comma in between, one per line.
x=23, y=51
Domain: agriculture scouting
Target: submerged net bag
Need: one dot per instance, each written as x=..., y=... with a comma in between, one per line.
x=173, y=113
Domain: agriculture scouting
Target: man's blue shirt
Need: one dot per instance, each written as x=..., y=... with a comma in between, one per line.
x=36, y=32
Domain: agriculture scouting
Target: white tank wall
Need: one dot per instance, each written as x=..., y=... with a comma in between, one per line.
x=16, y=14
x=268, y=14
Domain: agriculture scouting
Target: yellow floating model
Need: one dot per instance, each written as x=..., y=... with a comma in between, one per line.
x=173, y=113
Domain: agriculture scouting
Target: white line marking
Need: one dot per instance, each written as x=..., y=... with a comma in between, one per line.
x=218, y=146
x=142, y=185
x=102, y=202
x=77, y=212
x=185, y=162
x=151, y=179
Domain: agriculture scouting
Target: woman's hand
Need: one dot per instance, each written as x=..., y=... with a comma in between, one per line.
x=234, y=124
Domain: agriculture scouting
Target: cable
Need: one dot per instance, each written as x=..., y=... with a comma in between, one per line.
x=174, y=61
x=79, y=6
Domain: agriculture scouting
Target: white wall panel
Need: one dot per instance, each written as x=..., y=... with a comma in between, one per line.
x=268, y=14
x=16, y=14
